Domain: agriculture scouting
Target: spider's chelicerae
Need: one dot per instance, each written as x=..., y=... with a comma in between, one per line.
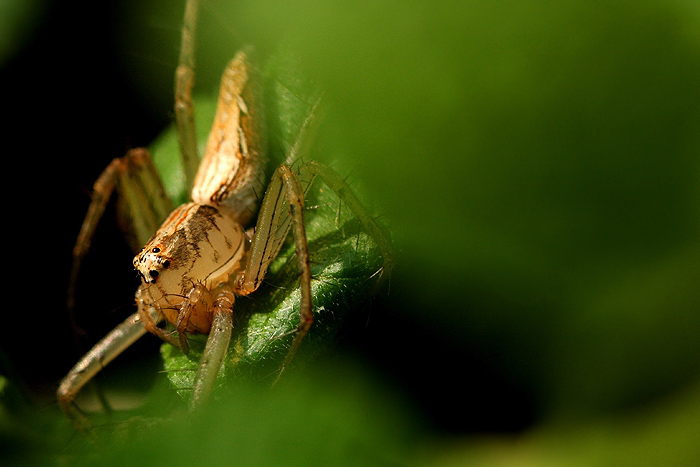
x=205, y=253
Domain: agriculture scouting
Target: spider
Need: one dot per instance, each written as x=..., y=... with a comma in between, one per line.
x=205, y=254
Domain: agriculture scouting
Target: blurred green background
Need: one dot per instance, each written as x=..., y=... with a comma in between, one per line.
x=538, y=164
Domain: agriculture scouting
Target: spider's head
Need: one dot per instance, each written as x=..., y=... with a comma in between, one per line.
x=150, y=263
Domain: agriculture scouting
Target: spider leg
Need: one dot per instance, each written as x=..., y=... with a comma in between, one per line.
x=137, y=181
x=146, y=311
x=199, y=302
x=295, y=185
x=215, y=348
x=101, y=354
x=184, y=82
x=295, y=198
x=335, y=182
x=282, y=209
x=102, y=190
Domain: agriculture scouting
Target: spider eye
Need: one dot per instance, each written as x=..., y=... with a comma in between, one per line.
x=153, y=273
x=155, y=250
x=166, y=264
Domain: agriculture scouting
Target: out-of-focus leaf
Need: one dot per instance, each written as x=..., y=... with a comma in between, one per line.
x=660, y=435
x=17, y=21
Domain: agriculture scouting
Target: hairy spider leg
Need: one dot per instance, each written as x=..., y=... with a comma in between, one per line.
x=312, y=169
x=215, y=348
x=140, y=188
x=106, y=350
x=184, y=106
x=309, y=171
x=282, y=209
x=138, y=183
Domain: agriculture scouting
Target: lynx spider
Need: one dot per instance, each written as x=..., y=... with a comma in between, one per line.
x=202, y=256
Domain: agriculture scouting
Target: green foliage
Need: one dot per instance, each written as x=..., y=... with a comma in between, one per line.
x=333, y=415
